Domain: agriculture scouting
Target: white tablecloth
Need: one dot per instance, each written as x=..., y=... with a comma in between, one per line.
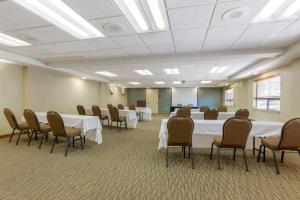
x=90, y=126
x=200, y=115
x=192, y=109
x=129, y=114
x=215, y=127
x=147, y=112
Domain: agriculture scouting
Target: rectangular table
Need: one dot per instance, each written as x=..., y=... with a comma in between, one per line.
x=147, y=112
x=129, y=114
x=90, y=126
x=175, y=108
x=200, y=115
x=215, y=127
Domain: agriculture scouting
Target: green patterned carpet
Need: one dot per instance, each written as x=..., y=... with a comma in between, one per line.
x=128, y=166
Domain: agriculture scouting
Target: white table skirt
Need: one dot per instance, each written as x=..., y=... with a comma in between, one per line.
x=200, y=115
x=90, y=126
x=147, y=112
x=215, y=127
x=129, y=114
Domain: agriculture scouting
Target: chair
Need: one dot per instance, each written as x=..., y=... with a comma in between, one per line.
x=36, y=126
x=235, y=134
x=120, y=107
x=109, y=106
x=138, y=113
x=180, y=131
x=115, y=117
x=184, y=112
x=222, y=109
x=179, y=105
x=288, y=141
x=81, y=110
x=211, y=114
x=15, y=125
x=59, y=130
x=97, y=112
x=131, y=107
x=204, y=108
x=242, y=113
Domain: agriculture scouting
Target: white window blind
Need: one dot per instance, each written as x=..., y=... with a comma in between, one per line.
x=267, y=93
x=229, y=97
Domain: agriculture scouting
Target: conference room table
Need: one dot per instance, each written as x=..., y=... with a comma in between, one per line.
x=129, y=114
x=90, y=126
x=145, y=111
x=205, y=130
x=200, y=115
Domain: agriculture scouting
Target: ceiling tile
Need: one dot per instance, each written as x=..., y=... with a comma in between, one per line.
x=157, y=38
x=194, y=47
x=128, y=41
x=228, y=33
x=190, y=17
x=217, y=46
x=162, y=49
x=189, y=35
x=186, y=3
x=94, y=9
x=137, y=51
x=66, y=47
x=102, y=43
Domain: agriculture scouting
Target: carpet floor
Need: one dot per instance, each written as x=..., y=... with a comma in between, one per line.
x=127, y=165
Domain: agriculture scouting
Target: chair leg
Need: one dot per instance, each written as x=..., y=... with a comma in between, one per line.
x=167, y=156
x=282, y=156
x=184, y=151
x=73, y=142
x=259, y=152
x=253, y=146
x=234, y=151
x=84, y=139
x=31, y=137
x=81, y=142
x=275, y=161
x=19, y=137
x=189, y=151
x=43, y=135
x=126, y=124
x=11, y=135
x=67, y=146
x=55, y=139
x=192, y=156
x=120, y=126
x=264, y=158
x=211, y=150
x=245, y=160
x=47, y=136
x=219, y=162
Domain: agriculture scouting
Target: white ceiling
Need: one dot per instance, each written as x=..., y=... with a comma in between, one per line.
x=197, y=27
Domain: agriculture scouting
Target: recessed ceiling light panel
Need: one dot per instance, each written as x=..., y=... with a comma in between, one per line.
x=172, y=71
x=143, y=72
x=106, y=73
x=159, y=82
x=134, y=83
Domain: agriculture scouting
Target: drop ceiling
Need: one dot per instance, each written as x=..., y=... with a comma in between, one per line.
x=198, y=40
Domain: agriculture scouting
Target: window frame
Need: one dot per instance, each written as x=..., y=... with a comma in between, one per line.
x=268, y=99
x=231, y=101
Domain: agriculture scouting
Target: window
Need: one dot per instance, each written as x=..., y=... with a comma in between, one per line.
x=266, y=93
x=229, y=97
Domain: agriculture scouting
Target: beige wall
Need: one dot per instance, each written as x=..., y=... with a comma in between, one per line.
x=290, y=96
x=42, y=90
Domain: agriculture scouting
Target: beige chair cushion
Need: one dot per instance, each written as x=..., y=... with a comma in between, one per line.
x=72, y=132
x=271, y=142
x=217, y=140
x=23, y=126
x=45, y=127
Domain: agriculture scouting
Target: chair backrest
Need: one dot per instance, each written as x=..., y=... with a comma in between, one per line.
x=131, y=107
x=109, y=106
x=96, y=110
x=180, y=130
x=222, y=109
x=211, y=114
x=236, y=132
x=56, y=123
x=204, y=108
x=179, y=105
x=81, y=110
x=11, y=118
x=242, y=113
x=114, y=114
x=120, y=107
x=183, y=112
x=290, y=135
x=32, y=120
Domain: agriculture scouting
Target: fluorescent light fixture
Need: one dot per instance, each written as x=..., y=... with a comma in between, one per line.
x=205, y=82
x=171, y=71
x=11, y=41
x=145, y=15
x=84, y=78
x=61, y=15
x=6, y=61
x=106, y=73
x=159, y=82
x=218, y=70
x=143, y=72
x=269, y=9
x=292, y=9
x=134, y=83
x=177, y=82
